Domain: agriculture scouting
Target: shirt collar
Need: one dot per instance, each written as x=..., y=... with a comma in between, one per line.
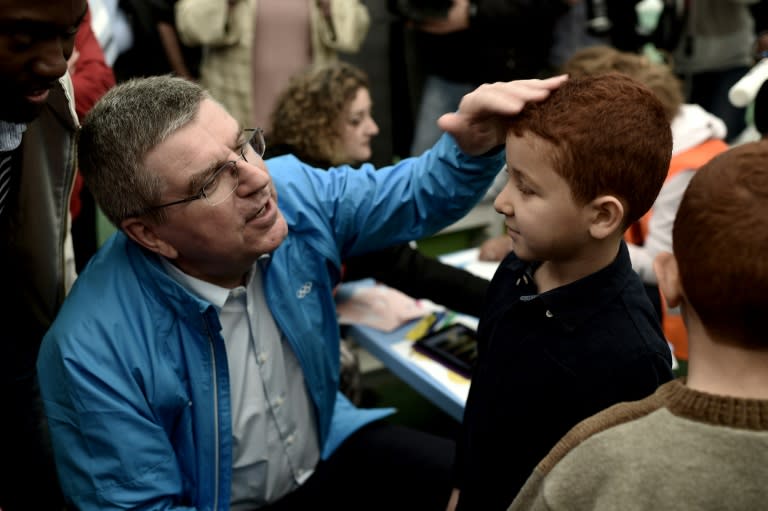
x=217, y=295
x=11, y=134
x=567, y=304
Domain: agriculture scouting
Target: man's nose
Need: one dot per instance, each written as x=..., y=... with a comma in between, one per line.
x=253, y=175
x=51, y=60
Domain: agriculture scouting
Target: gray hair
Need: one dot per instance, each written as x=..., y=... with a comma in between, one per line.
x=128, y=122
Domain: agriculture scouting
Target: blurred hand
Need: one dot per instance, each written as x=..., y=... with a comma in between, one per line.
x=495, y=249
x=453, y=500
x=480, y=123
x=457, y=19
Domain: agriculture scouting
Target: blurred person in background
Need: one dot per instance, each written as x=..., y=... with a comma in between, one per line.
x=240, y=65
x=460, y=44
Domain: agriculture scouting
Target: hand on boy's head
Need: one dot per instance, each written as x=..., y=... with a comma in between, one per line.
x=479, y=125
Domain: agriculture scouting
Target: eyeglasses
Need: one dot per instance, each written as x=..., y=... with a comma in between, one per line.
x=225, y=179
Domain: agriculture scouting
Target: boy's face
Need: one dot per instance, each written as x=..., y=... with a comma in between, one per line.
x=541, y=216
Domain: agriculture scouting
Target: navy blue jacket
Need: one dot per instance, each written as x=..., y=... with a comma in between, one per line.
x=545, y=363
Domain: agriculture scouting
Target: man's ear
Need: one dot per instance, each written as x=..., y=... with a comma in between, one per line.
x=145, y=234
x=668, y=276
x=606, y=216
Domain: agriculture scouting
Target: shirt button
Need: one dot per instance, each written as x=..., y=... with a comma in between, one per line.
x=262, y=358
x=549, y=314
x=279, y=401
x=289, y=439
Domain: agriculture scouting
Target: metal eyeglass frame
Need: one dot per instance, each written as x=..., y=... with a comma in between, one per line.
x=259, y=145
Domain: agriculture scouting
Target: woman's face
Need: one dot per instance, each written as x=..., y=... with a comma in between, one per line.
x=357, y=128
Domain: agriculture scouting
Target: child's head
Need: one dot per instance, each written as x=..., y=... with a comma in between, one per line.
x=660, y=78
x=324, y=115
x=720, y=237
x=604, y=135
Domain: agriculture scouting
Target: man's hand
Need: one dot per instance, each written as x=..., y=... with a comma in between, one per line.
x=479, y=124
x=456, y=20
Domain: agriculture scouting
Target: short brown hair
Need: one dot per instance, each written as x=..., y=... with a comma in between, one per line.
x=658, y=77
x=611, y=137
x=720, y=238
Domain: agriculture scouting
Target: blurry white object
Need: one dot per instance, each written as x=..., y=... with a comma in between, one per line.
x=648, y=12
x=744, y=91
x=110, y=26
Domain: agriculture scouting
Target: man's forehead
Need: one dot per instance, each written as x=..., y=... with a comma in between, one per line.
x=46, y=12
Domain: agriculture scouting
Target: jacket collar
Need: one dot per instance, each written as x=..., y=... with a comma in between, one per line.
x=567, y=304
x=149, y=268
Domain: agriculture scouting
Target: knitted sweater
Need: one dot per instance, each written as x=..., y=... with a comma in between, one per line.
x=676, y=449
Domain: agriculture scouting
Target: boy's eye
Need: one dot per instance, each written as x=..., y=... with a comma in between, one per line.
x=520, y=184
x=524, y=189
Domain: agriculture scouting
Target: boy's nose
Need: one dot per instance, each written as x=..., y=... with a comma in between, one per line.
x=503, y=203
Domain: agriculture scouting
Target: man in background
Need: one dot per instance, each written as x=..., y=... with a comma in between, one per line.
x=37, y=170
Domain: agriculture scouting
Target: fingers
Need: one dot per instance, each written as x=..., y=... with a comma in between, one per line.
x=508, y=98
x=478, y=124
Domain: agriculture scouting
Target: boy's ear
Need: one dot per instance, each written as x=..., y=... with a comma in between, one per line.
x=606, y=216
x=146, y=235
x=668, y=276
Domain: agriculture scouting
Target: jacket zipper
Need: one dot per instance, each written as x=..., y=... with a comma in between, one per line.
x=215, y=425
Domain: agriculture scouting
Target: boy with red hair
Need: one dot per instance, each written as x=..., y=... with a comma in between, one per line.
x=700, y=442
x=568, y=329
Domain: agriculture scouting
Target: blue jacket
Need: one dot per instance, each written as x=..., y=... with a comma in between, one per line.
x=133, y=371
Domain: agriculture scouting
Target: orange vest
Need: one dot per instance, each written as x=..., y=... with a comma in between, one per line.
x=692, y=159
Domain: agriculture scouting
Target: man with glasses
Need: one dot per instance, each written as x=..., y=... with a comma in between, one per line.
x=217, y=187
x=37, y=171
x=195, y=363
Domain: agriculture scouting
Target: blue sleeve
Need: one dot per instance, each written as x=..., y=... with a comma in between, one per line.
x=367, y=209
x=110, y=451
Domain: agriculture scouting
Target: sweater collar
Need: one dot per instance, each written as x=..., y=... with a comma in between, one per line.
x=728, y=411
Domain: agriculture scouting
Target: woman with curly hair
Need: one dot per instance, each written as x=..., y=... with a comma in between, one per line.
x=324, y=119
